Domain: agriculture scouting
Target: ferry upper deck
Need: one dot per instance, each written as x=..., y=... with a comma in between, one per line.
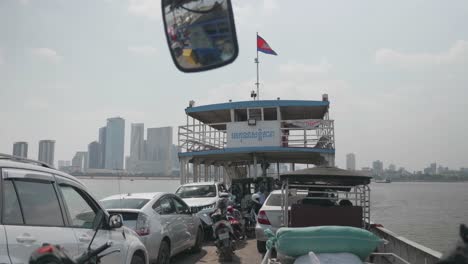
x=235, y=136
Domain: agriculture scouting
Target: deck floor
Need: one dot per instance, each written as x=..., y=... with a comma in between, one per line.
x=246, y=253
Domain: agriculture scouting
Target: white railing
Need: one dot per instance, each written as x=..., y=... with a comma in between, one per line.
x=307, y=133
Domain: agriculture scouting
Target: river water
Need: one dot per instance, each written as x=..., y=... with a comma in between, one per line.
x=428, y=213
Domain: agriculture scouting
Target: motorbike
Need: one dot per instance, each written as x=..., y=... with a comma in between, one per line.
x=237, y=222
x=224, y=235
x=250, y=219
x=55, y=254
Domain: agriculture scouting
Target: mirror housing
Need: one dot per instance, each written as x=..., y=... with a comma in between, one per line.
x=200, y=34
x=115, y=221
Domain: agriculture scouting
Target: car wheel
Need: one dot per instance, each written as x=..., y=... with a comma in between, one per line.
x=164, y=255
x=261, y=246
x=137, y=260
x=198, y=241
x=227, y=255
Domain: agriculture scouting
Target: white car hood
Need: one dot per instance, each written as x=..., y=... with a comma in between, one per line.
x=200, y=201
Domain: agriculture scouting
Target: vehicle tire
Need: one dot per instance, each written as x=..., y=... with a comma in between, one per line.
x=261, y=246
x=136, y=259
x=227, y=254
x=164, y=255
x=198, y=241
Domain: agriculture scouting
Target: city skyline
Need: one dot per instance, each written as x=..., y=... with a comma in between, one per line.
x=377, y=165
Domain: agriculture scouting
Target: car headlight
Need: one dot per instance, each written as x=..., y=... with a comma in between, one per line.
x=210, y=206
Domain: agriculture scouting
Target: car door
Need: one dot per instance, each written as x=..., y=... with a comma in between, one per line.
x=81, y=210
x=4, y=259
x=166, y=209
x=186, y=227
x=32, y=214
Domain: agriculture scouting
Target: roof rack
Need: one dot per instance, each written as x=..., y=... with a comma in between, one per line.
x=25, y=160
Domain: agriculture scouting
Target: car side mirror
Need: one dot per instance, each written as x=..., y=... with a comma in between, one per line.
x=115, y=221
x=201, y=34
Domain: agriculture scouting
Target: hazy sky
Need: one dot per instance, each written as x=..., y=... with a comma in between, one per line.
x=396, y=72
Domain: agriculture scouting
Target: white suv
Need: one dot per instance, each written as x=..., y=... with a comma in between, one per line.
x=39, y=205
x=201, y=195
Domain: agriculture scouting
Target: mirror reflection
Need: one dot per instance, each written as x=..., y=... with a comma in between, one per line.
x=200, y=33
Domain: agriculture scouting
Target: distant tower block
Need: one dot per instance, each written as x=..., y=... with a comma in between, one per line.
x=20, y=149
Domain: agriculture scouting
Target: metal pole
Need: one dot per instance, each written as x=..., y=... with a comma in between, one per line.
x=278, y=170
x=258, y=82
x=255, y=165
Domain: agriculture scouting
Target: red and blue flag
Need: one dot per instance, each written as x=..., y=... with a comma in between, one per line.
x=263, y=46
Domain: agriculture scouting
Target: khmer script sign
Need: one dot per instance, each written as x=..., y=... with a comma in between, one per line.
x=263, y=134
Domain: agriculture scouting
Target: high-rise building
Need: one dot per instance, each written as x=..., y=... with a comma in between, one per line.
x=159, y=143
x=80, y=160
x=46, y=151
x=392, y=167
x=115, y=139
x=20, y=149
x=63, y=163
x=351, y=161
x=102, y=147
x=377, y=167
x=159, y=146
x=93, y=155
x=433, y=168
x=137, y=142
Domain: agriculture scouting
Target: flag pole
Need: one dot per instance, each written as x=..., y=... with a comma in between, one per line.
x=257, y=83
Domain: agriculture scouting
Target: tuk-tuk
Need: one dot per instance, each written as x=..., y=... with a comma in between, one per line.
x=323, y=197
x=332, y=197
x=333, y=216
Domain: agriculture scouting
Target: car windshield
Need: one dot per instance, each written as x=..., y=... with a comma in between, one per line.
x=124, y=203
x=198, y=191
x=275, y=199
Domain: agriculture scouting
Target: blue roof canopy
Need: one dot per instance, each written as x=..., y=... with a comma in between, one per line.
x=290, y=109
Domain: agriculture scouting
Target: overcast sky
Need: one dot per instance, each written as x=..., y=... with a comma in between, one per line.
x=396, y=72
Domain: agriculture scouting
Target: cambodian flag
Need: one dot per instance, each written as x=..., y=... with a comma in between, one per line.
x=263, y=46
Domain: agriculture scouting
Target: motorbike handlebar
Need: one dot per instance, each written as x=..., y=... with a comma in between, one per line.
x=93, y=253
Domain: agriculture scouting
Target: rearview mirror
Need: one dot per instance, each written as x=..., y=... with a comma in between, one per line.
x=115, y=221
x=200, y=33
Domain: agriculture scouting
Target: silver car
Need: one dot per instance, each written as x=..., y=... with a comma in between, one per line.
x=163, y=221
x=40, y=205
x=269, y=217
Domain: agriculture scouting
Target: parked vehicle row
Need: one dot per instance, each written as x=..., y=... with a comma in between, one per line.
x=40, y=205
